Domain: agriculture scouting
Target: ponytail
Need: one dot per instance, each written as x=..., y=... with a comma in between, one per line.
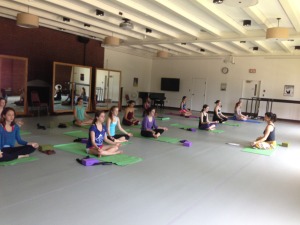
x=204, y=107
x=110, y=113
x=272, y=116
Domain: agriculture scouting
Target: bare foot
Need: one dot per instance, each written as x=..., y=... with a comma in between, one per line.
x=23, y=156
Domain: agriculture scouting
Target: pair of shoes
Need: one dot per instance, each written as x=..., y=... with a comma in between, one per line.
x=40, y=127
x=62, y=125
x=47, y=152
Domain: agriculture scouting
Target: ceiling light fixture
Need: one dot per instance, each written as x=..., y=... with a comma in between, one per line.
x=162, y=54
x=99, y=12
x=241, y=3
x=217, y=1
x=66, y=19
x=246, y=23
x=87, y=25
x=202, y=50
x=27, y=20
x=126, y=24
x=277, y=32
x=111, y=41
x=183, y=43
x=297, y=47
x=148, y=30
x=255, y=48
x=243, y=42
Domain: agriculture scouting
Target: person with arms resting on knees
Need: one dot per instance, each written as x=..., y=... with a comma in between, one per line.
x=9, y=134
x=267, y=141
x=238, y=112
x=81, y=118
x=129, y=119
x=149, y=126
x=218, y=115
x=204, y=123
x=113, y=121
x=184, y=111
x=97, y=137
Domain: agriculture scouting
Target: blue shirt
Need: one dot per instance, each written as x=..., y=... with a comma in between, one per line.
x=112, y=127
x=99, y=135
x=8, y=139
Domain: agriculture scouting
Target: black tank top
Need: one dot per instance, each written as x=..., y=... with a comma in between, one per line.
x=271, y=136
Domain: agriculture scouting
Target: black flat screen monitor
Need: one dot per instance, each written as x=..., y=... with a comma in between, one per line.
x=170, y=84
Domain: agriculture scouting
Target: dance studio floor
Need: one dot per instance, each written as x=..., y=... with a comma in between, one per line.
x=209, y=183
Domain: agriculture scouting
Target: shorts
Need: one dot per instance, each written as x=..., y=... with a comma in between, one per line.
x=88, y=149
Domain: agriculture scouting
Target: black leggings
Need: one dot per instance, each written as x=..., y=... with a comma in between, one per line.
x=117, y=136
x=147, y=133
x=12, y=153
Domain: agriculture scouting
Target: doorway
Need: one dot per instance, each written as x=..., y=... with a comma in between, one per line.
x=198, y=93
x=251, y=90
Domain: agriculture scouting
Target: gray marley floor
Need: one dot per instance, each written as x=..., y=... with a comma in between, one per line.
x=210, y=183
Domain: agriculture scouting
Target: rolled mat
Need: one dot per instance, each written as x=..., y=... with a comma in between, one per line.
x=77, y=133
x=266, y=152
x=79, y=149
x=18, y=161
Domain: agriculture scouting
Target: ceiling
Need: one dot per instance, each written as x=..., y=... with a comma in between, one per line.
x=184, y=28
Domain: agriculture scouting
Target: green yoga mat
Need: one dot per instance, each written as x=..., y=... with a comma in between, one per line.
x=231, y=124
x=163, y=118
x=18, y=161
x=23, y=132
x=258, y=151
x=78, y=134
x=161, y=138
x=181, y=126
x=216, y=131
x=79, y=149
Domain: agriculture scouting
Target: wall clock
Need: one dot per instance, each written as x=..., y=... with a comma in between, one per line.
x=225, y=70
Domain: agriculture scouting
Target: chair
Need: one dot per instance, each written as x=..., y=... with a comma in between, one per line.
x=36, y=103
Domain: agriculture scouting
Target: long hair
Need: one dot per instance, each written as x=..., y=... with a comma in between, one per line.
x=237, y=104
x=204, y=107
x=97, y=114
x=4, y=112
x=184, y=97
x=272, y=116
x=111, y=111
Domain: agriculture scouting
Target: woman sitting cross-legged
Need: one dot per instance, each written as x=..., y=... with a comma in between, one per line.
x=129, y=119
x=204, y=123
x=113, y=121
x=81, y=118
x=149, y=126
x=97, y=137
x=267, y=141
x=9, y=134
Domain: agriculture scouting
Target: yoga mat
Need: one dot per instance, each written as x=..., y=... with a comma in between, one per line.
x=231, y=124
x=23, y=132
x=17, y=161
x=162, y=118
x=259, y=151
x=248, y=121
x=216, y=131
x=78, y=134
x=161, y=138
x=79, y=149
x=182, y=126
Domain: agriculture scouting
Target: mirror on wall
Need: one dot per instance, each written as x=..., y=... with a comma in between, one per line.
x=13, y=82
x=70, y=82
x=107, y=89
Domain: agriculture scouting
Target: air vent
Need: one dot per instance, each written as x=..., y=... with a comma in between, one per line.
x=126, y=25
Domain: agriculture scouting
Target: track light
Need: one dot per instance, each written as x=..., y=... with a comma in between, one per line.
x=297, y=47
x=246, y=23
x=86, y=25
x=202, y=50
x=99, y=12
x=66, y=19
x=255, y=48
x=217, y=1
x=148, y=30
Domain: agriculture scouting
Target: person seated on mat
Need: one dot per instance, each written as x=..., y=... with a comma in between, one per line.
x=184, y=111
x=58, y=93
x=218, y=115
x=98, y=135
x=204, y=123
x=81, y=118
x=113, y=121
x=149, y=126
x=267, y=141
x=146, y=106
x=9, y=134
x=129, y=119
x=238, y=112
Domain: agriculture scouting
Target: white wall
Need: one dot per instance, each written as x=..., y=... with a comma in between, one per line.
x=273, y=73
x=131, y=67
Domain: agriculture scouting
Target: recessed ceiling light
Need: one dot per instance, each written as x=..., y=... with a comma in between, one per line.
x=297, y=47
x=148, y=30
x=255, y=48
x=66, y=19
x=246, y=23
x=242, y=41
x=183, y=43
x=202, y=50
x=218, y=1
x=99, y=12
x=87, y=25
